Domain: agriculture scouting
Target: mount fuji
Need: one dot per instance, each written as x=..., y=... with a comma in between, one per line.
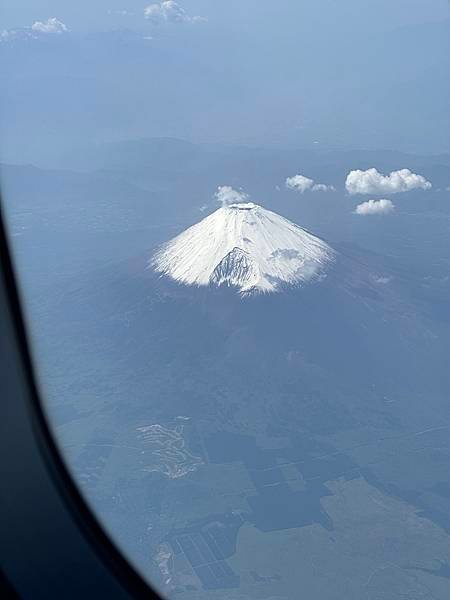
x=247, y=247
x=247, y=310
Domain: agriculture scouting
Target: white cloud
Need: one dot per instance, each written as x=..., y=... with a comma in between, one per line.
x=373, y=182
x=321, y=187
x=301, y=184
x=52, y=25
x=169, y=11
x=7, y=34
x=382, y=280
x=226, y=195
x=375, y=207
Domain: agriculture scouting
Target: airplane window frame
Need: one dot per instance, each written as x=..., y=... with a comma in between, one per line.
x=51, y=541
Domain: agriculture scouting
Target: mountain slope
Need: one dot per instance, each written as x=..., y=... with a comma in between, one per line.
x=247, y=247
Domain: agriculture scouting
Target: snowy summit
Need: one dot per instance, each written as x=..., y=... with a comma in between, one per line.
x=247, y=247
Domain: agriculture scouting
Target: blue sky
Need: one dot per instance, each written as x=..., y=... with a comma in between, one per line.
x=106, y=14
x=341, y=74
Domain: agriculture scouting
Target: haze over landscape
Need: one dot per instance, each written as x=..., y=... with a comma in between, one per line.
x=231, y=224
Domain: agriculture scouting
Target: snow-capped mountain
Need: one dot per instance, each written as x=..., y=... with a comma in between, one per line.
x=246, y=247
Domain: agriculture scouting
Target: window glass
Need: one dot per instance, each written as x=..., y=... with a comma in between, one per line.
x=231, y=227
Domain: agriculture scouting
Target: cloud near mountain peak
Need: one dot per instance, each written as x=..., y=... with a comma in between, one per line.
x=372, y=181
x=301, y=184
x=375, y=207
x=226, y=195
